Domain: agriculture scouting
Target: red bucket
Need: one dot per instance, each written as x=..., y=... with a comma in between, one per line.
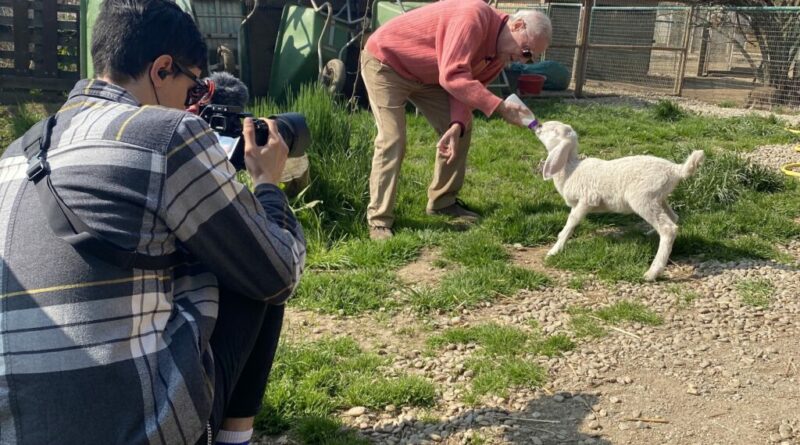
x=530, y=84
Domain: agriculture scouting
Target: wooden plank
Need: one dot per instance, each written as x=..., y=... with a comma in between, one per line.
x=53, y=84
x=687, y=30
x=21, y=35
x=65, y=38
x=49, y=38
x=633, y=47
x=582, y=41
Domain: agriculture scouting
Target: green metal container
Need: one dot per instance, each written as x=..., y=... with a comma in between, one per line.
x=296, y=59
x=383, y=11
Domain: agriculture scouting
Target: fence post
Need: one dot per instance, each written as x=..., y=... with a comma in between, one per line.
x=49, y=38
x=702, y=68
x=22, y=37
x=684, y=53
x=579, y=64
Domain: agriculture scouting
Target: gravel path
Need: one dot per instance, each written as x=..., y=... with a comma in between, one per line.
x=717, y=370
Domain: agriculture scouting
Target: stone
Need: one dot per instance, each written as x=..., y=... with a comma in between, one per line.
x=356, y=411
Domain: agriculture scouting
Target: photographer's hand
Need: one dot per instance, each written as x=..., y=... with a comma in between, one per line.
x=265, y=163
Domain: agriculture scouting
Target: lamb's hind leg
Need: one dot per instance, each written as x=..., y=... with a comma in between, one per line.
x=576, y=215
x=671, y=213
x=657, y=216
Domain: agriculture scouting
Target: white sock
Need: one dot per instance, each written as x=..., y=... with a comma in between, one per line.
x=225, y=437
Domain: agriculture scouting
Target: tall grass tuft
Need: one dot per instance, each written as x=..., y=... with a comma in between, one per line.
x=23, y=119
x=340, y=158
x=667, y=110
x=722, y=180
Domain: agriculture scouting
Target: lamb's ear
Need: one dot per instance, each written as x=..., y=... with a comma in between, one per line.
x=557, y=158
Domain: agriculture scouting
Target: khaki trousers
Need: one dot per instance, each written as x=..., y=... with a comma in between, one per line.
x=388, y=95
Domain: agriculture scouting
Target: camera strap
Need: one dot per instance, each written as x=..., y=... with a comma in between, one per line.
x=65, y=223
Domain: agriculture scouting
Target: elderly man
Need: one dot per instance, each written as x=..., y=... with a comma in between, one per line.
x=440, y=57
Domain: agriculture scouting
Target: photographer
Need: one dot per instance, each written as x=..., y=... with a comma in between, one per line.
x=95, y=352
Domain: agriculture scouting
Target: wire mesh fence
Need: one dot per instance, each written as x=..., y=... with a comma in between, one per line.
x=730, y=56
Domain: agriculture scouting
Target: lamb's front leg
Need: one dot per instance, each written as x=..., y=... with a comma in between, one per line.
x=576, y=215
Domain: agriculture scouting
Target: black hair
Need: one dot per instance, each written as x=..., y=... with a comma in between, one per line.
x=130, y=34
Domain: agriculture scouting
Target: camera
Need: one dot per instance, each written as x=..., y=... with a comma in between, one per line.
x=226, y=121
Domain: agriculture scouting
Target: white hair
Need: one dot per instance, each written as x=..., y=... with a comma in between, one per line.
x=537, y=24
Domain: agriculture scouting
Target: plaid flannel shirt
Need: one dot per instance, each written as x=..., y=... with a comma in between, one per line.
x=91, y=353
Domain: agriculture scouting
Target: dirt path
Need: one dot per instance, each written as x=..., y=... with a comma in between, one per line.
x=716, y=372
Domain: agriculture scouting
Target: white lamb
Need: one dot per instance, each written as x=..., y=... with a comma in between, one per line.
x=634, y=184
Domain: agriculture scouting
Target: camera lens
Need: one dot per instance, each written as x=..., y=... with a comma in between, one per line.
x=294, y=130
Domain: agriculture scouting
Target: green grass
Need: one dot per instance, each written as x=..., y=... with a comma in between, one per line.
x=500, y=363
x=468, y=287
x=629, y=311
x=15, y=121
x=587, y=323
x=685, y=297
x=755, y=292
x=314, y=380
x=496, y=375
x=722, y=208
x=583, y=326
x=495, y=339
x=666, y=110
x=475, y=248
x=319, y=430
x=577, y=282
x=347, y=292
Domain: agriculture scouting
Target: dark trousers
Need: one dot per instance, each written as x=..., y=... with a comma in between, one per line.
x=244, y=342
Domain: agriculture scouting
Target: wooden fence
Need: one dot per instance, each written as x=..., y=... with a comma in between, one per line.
x=39, y=43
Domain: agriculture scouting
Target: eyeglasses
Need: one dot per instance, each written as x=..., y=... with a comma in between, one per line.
x=527, y=54
x=201, y=92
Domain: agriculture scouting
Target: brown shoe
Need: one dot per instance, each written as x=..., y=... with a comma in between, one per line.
x=458, y=210
x=377, y=233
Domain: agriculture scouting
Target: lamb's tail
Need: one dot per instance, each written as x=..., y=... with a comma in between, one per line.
x=692, y=163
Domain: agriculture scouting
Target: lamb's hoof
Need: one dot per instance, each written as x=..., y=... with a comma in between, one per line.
x=651, y=275
x=553, y=251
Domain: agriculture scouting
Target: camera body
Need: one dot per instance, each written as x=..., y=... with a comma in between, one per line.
x=226, y=121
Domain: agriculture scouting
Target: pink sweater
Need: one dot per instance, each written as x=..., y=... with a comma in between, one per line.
x=452, y=43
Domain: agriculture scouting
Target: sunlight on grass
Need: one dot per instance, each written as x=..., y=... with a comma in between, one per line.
x=615, y=259
x=468, y=287
x=496, y=375
x=475, y=248
x=684, y=296
x=583, y=325
x=495, y=339
x=324, y=430
x=629, y=311
x=364, y=253
x=346, y=292
x=755, y=292
x=500, y=363
x=585, y=322
x=313, y=380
